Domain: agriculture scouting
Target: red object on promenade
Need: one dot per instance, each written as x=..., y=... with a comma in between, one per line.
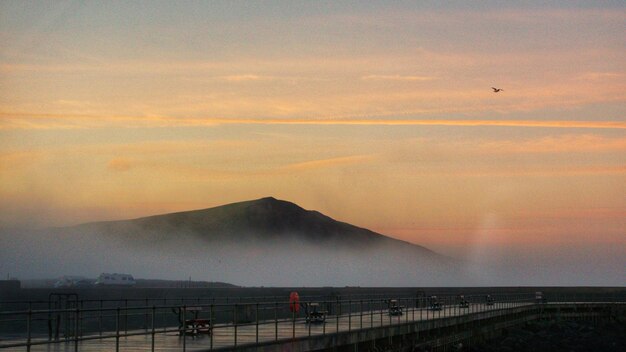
x=294, y=302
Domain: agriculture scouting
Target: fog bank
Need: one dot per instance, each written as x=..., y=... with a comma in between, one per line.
x=46, y=254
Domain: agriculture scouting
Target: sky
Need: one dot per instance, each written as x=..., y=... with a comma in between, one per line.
x=379, y=114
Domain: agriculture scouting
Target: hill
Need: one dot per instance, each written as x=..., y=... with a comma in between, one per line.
x=265, y=219
x=263, y=242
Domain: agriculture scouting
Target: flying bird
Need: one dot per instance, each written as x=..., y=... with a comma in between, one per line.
x=496, y=90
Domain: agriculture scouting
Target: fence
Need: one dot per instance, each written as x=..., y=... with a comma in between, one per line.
x=70, y=321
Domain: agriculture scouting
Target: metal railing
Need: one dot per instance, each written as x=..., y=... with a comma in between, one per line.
x=236, y=323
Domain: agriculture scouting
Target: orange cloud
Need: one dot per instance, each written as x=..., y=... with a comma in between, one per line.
x=601, y=76
x=556, y=144
x=397, y=78
x=389, y=122
x=239, y=78
x=51, y=121
x=323, y=163
x=120, y=164
x=538, y=171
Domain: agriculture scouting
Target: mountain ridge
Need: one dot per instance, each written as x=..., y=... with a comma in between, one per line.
x=258, y=242
x=263, y=218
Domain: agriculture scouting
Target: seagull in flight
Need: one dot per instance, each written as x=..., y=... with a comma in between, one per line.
x=496, y=90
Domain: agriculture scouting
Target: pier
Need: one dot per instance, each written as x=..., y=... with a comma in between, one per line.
x=260, y=324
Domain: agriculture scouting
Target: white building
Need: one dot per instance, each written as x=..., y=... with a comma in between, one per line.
x=115, y=279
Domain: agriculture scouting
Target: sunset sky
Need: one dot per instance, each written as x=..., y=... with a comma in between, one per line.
x=379, y=114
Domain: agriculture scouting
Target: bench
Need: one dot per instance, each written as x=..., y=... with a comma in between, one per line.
x=197, y=326
x=393, y=307
x=314, y=313
x=396, y=310
x=193, y=326
x=316, y=317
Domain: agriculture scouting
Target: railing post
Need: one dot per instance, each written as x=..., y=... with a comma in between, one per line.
x=338, y=311
x=349, y=315
x=28, y=327
x=293, y=323
x=371, y=309
x=152, y=332
x=256, y=317
x=117, y=329
x=184, y=328
x=389, y=315
x=163, y=320
x=275, y=320
x=235, y=322
x=49, y=321
x=80, y=317
x=212, y=326
x=66, y=320
x=419, y=302
x=76, y=329
x=361, y=313
x=309, y=323
x=126, y=316
x=326, y=304
x=380, y=305
x=440, y=310
x=100, y=320
x=145, y=317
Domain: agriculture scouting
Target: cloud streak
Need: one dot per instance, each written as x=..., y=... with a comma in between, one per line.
x=585, y=143
x=389, y=122
x=397, y=78
x=120, y=164
x=9, y=121
x=324, y=163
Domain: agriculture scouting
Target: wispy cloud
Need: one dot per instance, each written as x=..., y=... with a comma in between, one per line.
x=513, y=172
x=397, y=78
x=331, y=162
x=27, y=121
x=408, y=122
x=565, y=171
x=601, y=76
x=120, y=164
x=247, y=77
x=585, y=143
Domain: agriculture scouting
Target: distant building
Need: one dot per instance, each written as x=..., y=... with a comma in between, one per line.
x=115, y=279
x=73, y=282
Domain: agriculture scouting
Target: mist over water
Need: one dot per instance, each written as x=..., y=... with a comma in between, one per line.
x=563, y=265
x=291, y=263
x=28, y=254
